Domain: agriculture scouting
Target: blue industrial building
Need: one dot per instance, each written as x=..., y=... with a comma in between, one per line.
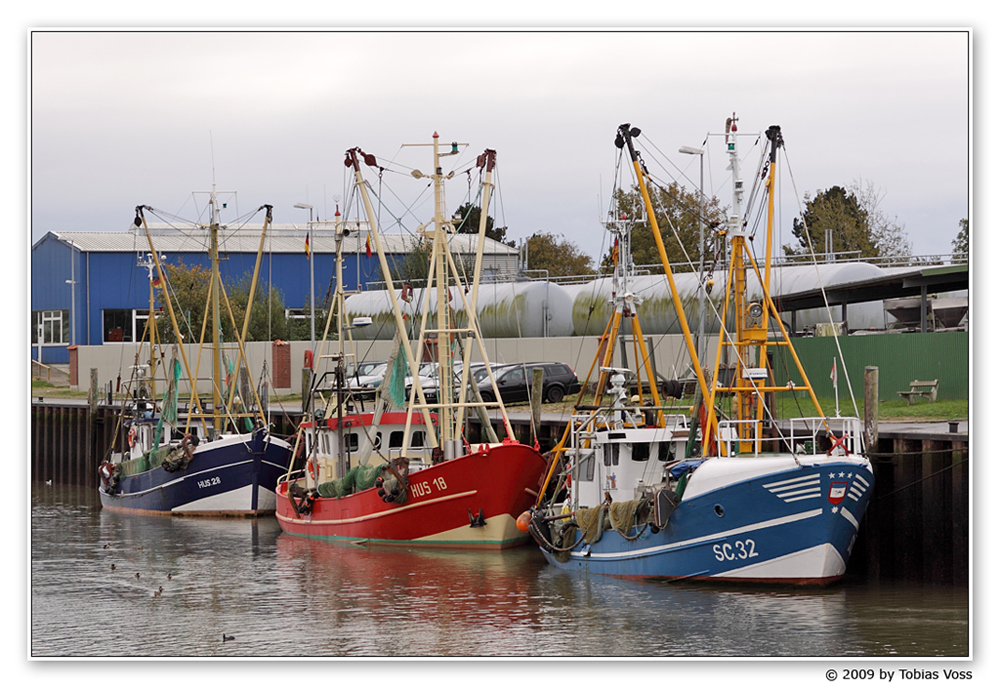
x=89, y=287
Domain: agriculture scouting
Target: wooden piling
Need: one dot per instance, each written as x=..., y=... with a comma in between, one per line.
x=871, y=406
x=536, y=401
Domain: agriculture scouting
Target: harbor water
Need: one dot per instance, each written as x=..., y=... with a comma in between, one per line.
x=109, y=585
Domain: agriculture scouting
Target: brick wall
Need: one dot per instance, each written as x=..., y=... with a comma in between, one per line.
x=281, y=356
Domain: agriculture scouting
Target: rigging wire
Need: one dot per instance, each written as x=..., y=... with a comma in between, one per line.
x=819, y=279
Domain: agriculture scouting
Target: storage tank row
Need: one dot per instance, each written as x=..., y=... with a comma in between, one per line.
x=540, y=309
x=506, y=309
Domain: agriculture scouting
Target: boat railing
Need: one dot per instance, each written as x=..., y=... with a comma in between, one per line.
x=797, y=435
x=734, y=436
x=584, y=426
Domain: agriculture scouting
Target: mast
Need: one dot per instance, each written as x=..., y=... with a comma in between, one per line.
x=440, y=238
x=750, y=380
x=745, y=341
x=148, y=263
x=352, y=162
x=625, y=135
x=485, y=161
x=213, y=233
x=140, y=221
x=447, y=439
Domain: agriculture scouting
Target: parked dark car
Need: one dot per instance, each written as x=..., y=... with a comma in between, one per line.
x=514, y=382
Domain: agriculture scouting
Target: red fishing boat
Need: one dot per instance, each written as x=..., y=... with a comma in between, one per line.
x=412, y=477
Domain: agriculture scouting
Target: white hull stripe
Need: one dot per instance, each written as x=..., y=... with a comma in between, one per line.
x=802, y=564
x=239, y=499
x=812, y=513
x=850, y=517
x=379, y=514
x=500, y=528
x=796, y=489
x=793, y=482
x=197, y=473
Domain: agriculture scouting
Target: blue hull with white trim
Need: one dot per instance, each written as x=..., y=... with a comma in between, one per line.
x=793, y=526
x=235, y=475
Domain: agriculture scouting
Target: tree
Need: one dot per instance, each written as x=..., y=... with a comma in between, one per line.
x=560, y=257
x=189, y=287
x=888, y=235
x=413, y=266
x=855, y=222
x=960, y=244
x=676, y=209
x=267, y=317
x=469, y=224
x=838, y=211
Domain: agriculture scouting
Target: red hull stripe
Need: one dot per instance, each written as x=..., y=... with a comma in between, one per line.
x=383, y=514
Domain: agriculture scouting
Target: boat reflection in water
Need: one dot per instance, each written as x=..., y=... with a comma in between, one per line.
x=390, y=601
x=287, y=596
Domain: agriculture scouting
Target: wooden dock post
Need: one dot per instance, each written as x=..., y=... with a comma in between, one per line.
x=871, y=406
x=536, y=401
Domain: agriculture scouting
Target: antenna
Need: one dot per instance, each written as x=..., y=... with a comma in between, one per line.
x=211, y=150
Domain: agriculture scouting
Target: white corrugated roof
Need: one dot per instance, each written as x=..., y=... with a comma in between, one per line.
x=288, y=238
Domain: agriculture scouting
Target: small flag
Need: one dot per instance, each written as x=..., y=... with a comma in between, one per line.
x=368, y=246
x=157, y=281
x=833, y=373
x=307, y=247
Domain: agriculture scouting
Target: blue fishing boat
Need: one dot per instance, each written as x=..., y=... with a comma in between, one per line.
x=215, y=458
x=639, y=491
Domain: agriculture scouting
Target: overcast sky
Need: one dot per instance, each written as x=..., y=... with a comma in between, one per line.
x=123, y=118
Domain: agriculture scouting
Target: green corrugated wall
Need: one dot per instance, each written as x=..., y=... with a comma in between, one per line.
x=900, y=358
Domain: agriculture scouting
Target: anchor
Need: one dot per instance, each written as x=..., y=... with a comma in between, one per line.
x=478, y=521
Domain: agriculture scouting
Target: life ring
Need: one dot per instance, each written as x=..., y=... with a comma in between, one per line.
x=313, y=468
x=132, y=434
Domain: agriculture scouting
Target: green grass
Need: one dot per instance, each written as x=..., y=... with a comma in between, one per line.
x=888, y=409
x=800, y=405
x=789, y=406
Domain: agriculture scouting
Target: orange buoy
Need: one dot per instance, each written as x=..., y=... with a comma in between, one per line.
x=523, y=521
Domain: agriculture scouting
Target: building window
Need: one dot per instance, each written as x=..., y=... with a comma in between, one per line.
x=124, y=325
x=50, y=327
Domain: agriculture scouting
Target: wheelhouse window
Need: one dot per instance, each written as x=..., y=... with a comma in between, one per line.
x=351, y=441
x=611, y=451
x=587, y=464
x=640, y=451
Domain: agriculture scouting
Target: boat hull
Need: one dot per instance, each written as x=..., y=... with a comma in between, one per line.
x=232, y=476
x=793, y=527
x=500, y=481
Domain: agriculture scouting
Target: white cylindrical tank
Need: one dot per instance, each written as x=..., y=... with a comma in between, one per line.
x=524, y=309
x=657, y=315
x=506, y=309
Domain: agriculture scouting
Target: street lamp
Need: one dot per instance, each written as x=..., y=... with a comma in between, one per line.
x=312, y=281
x=72, y=296
x=689, y=150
